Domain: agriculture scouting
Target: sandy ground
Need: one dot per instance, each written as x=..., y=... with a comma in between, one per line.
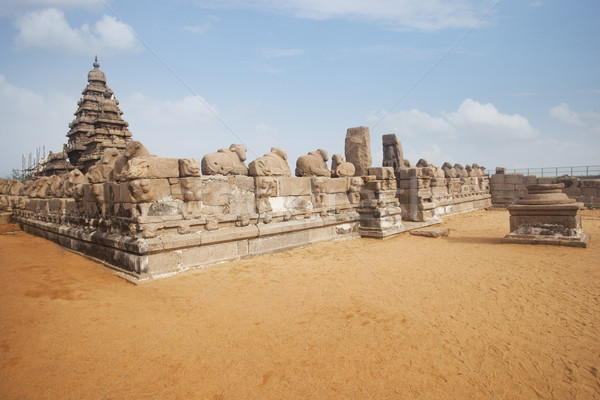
x=462, y=317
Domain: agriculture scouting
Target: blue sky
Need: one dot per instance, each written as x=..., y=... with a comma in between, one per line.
x=508, y=83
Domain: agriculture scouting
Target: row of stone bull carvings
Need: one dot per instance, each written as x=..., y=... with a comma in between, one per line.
x=232, y=162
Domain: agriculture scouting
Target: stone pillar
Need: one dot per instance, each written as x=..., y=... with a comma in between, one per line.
x=379, y=209
x=358, y=149
x=392, y=152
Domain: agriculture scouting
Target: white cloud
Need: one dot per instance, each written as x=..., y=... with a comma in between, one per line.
x=475, y=132
x=588, y=120
x=471, y=120
x=430, y=151
x=397, y=14
x=474, y=119
x=30, y=120
x=49, y=30
x=414, y=123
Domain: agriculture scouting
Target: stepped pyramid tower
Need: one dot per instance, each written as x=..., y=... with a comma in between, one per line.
x=97, y=125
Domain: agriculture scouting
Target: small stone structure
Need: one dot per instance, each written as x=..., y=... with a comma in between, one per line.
x=379, y=209
x=546, y=216
x=55, y=164
x=427, y=192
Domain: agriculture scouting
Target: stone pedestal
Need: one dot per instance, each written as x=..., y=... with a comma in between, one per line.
x=379, y=210
x=546, y=216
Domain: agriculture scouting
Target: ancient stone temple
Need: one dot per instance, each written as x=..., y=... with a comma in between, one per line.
x=56, y=164
x=546, y=216
x=97, y=125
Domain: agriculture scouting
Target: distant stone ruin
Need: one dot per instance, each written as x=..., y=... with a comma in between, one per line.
x=149, y=216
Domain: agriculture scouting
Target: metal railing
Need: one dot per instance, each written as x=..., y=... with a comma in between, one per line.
x=587, y=170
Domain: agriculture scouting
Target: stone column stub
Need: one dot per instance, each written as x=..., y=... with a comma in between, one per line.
x=358, y=149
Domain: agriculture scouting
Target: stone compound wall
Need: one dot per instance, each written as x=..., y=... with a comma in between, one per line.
x=428, y=195
x=150, y=227
x=507, y=189
x=150, y=216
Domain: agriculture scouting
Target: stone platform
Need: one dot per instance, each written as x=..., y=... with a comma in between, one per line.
x=546, y=216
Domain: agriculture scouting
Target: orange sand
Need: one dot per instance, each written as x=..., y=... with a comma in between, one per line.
x=463, y=317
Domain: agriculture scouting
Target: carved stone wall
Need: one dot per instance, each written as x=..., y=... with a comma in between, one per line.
x=426, y=194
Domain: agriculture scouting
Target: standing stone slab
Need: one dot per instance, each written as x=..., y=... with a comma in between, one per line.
x=358, y=149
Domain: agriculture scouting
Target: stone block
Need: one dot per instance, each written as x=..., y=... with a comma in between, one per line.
x=382, y=172
x=408, y=173
x=590, y=183
x=209, y=254
x=321, y=234
x=439, y=191
x=279, y=242
x=589, y=191
x=216, y=192
x=498, y=179
x=389, y=184
x=186, y=189
x=413, y=183
x=266, y=186
x=358, y=149
x=333, y=185
x=502, y=187
x=433, y=232
x=152, y=167
x=242, y=203
x=517, y=179
x=332, y=200
x=291, y=204
x=244, y=183
x=148, y=190
x=189, y=167
x=531, y=180
x=297, y=186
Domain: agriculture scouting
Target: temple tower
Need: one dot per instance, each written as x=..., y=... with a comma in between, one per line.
x=98, y=123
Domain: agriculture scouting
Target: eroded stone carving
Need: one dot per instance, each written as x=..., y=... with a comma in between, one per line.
x=341, y=168
x=148, y=190
x=189, y=167
x=133, y=150
x=313, y=164
x=358, y=149
x=73, y=186
x=392, y=153
x=226, y=161
x=101, y=171
x=273, y=163
x=461, y=172
x=449, y=170
x=152, y=167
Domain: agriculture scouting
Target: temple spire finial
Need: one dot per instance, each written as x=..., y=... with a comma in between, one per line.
x=96, y=63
